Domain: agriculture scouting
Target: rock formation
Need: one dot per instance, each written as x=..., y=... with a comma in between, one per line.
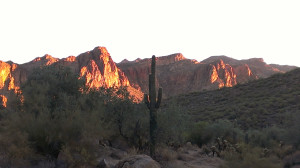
x=178, y=75
x=96, y=67
x=175, y=73
x=138, y=161
x=3, y=101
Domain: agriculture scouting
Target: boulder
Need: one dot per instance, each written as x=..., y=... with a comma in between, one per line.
x=138, y=161
x=103, y=164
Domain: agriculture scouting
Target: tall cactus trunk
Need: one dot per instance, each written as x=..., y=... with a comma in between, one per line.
x=153, y=104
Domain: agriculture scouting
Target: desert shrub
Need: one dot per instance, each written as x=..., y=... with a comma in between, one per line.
x=198, y=134
x=206, y=132
x=59, y=116
x=15, y=149
x=251, y=157
x=292, y=135
x=226, y=130
x=166, y=154
x=124, y=119
x=55, y=115
x=173, y=125
x=292, y=160
x=267, y=137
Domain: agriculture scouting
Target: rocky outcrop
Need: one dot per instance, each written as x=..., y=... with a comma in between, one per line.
x=11, y=76
x=5, y=73
x=138, y=161
x=96, y=67
x=178, y=75
x=175, y=73
x=3, y=101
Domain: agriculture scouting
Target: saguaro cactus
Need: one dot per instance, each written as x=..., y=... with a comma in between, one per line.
x=153, y=104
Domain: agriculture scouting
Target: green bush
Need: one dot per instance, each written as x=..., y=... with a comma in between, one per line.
x=206, y=132
x=267, y=137
x=251, y=158
x=198, y=134
x=59, y=115
x=173, y=125
x=292, y=135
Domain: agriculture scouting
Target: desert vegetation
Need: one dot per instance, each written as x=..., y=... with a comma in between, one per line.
x=56, y=118
x=57, y=113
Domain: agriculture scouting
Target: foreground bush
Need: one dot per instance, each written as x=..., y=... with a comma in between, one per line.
x=207, y=132
x=251, y=158
x=60, y=118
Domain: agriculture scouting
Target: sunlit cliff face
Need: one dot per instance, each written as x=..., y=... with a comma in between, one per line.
x=70, y=59
x=4, y=73
x=47, y=59
x=223, y=74
x=96, y=67
x=214, y=74
x=3, y=101
x=100, y=70
x=6, y=78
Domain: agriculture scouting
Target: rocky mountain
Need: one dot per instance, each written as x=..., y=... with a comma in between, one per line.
x=256, y=104
x=177, y=74
x=96, y=67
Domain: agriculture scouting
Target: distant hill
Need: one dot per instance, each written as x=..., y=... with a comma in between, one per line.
x=256, y=104
x=96, y=67
x=177, y=74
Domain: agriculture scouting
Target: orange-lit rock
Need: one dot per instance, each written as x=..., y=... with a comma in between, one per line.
x=70, y=59
x=45, y=60
x=96, y=67
x=244, y=73
x=222, y=74
x=11, y=84
x=3, y=101
x=8, y=74
x=214, y=74
x=175, y=73
x=178, y=75
x=99, y=70
x=5, y=71
x=14, y=67
x=229, y=76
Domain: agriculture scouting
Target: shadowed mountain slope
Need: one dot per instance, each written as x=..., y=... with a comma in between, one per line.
x=178, y=75
x=256, y=104
x=175, y=73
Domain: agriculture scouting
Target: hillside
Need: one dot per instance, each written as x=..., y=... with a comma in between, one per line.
x=255, y=104
x=95, y=67
x=177, y=74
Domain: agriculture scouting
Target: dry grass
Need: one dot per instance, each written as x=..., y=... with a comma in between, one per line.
x=167, y=154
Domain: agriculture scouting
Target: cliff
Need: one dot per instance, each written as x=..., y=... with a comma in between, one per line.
x=175, y=73
x=96, y=67
x=178, y=75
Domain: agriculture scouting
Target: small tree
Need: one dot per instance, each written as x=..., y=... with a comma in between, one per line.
x=153, y=104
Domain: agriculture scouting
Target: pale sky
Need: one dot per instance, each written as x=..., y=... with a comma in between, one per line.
x=241, y=29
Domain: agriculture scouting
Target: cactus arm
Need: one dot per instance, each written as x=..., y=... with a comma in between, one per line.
x=146, y=100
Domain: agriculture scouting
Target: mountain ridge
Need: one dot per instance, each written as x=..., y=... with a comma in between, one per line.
x=256, y=104
x=175, y=73
x=177, y=76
